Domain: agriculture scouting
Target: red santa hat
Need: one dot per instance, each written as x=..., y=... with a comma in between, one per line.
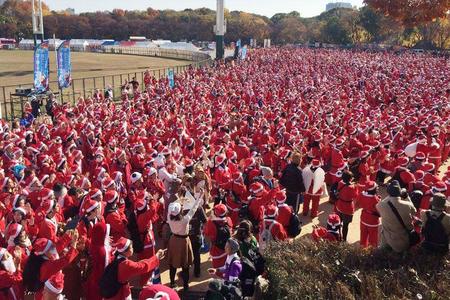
x=88, y=205
x=249, y=162
x=95, y=193
x=14, y=230
x=220, y=159
x=334, y=220
x=439, y=187
x=364, y=154
x=107, y=183
x=111, y=196
x=46, y=194
x=188, y=162
x=237, y=177
x=428, y=167
x=140, y=203
x=403, y=161
x=371, y=185
x=41, y=246
x=47, y=205
x=271, y=211
x=420, y=156
x=418, y=175
x=220, y=211
x=315, y=163
x=190, y=142
x=256, y=188
x=280, y=196
x=339, y=141
x=122, y=245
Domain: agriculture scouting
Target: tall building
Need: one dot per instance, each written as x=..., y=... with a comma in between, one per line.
x=333, y=5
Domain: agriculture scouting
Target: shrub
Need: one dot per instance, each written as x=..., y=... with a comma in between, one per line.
x=308, y=270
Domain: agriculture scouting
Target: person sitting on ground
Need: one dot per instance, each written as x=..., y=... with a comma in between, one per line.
x=436, y=226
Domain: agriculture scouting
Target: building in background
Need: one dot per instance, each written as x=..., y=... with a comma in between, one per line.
x=2, y=1
x=333, y=5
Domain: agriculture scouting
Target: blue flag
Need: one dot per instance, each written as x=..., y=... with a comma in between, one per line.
x=41, y=66
x=171, y=79
x=64, y=65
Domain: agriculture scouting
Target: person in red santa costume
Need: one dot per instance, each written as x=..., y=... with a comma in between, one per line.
x=89, y=216
x=217, y=230
x=275, y=231
x=43, y=271
x=345, y=204
x=100, y=255
x=333, y=232
x=370, y=218
x=146, y=215
x=313, y=177
x=10, y=277
x=237, y=192
x=127, y=269
x=113, y=217
x=284, y=211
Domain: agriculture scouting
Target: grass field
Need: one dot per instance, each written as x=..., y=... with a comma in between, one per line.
x=16, y=67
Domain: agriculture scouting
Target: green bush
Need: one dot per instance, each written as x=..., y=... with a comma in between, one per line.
x=308, y=270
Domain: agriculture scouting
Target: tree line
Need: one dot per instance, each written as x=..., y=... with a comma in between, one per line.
x=373, y=23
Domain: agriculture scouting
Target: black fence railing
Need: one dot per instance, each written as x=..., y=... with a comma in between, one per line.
x=12, y=104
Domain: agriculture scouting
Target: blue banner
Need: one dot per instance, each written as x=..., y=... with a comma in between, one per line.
x=244, y=53
x=41, y=65
x=171, y=79
x=64, y=65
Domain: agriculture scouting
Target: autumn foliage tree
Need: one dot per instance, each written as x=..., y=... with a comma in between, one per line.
x=412, y=12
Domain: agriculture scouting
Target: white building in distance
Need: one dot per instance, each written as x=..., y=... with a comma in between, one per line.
x=333, y=5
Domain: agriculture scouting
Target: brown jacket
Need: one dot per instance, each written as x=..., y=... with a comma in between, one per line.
x=392, y=232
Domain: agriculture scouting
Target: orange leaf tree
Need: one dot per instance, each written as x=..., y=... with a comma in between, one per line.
x=411, y=12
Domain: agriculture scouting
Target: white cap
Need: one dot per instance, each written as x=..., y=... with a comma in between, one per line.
x=135, y=177
x=174, y=208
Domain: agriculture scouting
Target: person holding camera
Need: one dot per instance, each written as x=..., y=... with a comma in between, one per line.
x=397, y=215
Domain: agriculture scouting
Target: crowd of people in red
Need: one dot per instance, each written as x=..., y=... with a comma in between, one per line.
x=255, y=140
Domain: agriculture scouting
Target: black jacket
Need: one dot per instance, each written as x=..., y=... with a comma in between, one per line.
x=292, y=179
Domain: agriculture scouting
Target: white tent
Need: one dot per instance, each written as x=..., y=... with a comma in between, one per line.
x=79, y=44
x=179, y=46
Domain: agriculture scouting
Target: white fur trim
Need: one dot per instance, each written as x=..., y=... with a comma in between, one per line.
x=53, y=289
x=125, y=247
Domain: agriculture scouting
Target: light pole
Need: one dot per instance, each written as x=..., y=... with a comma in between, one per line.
x=37, y=21
x=220, y=29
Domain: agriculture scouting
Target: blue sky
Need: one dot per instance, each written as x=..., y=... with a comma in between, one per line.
x=307, y=8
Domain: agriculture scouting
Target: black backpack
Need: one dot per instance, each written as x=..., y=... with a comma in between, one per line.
x=109, y=284
x=294, y=227
x=223, y=234
x=247, y=277
x=135, y=236
x=258, y=260
x=436, y=239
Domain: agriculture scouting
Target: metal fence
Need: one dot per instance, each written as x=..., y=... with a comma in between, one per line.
x=12, y=106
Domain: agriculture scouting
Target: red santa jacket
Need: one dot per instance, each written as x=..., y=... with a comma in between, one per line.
x=51, y=273
x=145, y=221
x=348, y=194
x=117, y=222
x=369, y=216
x=129, y=269
x=10, y=285
x=210, y=231
x=284, y=214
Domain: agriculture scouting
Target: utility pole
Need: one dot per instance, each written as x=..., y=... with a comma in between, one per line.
x=220, y=29
x=37, y=21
